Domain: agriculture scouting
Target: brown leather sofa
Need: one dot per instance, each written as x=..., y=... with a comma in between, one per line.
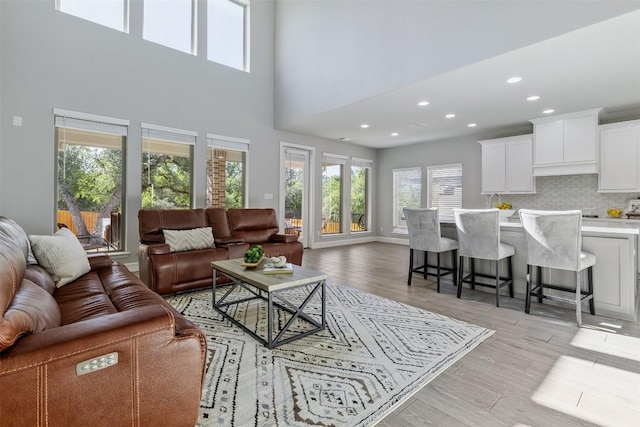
x=234, y=231
x=109, y=313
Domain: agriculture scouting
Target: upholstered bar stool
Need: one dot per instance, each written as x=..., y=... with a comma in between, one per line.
x=424, y=235
x=554, y=240
x=479, y=238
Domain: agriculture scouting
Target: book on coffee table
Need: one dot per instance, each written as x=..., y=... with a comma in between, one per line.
x=285, y=269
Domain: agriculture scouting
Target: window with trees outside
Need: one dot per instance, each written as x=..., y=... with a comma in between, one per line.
x=90, y=184
x=166, y=167
x=227, y=23
x=360, y=185
x=226, y=171
x=407, y=193
x=110, y=13
x=332, y=172
x=171, y=23
x=444, y=188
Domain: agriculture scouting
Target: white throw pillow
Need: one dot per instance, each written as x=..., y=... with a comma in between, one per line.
x=187, y=240
x=61, y=255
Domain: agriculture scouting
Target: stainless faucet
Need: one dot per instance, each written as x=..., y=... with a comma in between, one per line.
x=491, y=205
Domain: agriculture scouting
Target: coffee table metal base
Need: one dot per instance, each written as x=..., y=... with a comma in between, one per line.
x=282, y=303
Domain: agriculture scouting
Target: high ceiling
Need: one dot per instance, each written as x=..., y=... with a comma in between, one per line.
x=595, y=66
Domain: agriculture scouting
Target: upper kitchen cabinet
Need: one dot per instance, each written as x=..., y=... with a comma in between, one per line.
x=619, y=157
x=507, y=165
x=566, y=144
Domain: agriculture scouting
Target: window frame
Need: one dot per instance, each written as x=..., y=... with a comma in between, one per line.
x=368, y=165
x=114, y=127
x=245, y=4
x=235, y=144
x=194, y=30
x=397, y=218
x=339, y=160
x=445, y=212
x=125, y=17
x=171, y=136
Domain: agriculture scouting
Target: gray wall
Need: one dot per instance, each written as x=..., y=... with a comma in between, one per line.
x=50, y=59
x=463, y=150
x=334, y=53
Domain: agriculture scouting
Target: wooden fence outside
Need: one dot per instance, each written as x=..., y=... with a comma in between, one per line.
x=64, y=217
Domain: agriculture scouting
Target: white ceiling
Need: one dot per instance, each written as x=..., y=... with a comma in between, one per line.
x=596, y=66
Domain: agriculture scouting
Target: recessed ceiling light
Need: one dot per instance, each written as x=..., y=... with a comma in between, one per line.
x=472, y=125
x=418, y=124
x=533, y=98
x=514, y=79
x=364, y=126
x=344, y=138
x=423, y=103
x=450, y=116
x=395, y=134
x=548, y=111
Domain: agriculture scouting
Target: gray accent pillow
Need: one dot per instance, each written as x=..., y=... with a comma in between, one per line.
x=187, y=240
x=61, y=255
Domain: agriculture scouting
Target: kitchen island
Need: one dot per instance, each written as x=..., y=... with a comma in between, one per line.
x=614, y=275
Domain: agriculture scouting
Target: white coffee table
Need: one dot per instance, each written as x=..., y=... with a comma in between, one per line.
x=271, y=289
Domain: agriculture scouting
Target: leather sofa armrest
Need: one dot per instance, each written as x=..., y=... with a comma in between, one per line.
x=224, y=241
x=76, y=337
x=145, y=343
x=159, y=249
x=283, y=238
x=99, y=261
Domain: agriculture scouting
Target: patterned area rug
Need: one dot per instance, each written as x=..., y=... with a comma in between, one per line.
x=373, y=355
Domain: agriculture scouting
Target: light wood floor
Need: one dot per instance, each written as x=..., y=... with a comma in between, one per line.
x=536, y=370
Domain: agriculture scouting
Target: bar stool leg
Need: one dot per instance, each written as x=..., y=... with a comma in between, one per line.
x=497, y=283
x=578, y=300
x=592, y=307
x=460, y=266
x=426, y=260
x=437, y=270
x=410, y=267
x=539, y=272
x=510, y=269
x=454, y=259
x=472, y=267
x=527, y=300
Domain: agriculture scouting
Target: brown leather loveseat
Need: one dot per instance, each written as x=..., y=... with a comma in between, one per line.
x=167, y=270
x=100, y=350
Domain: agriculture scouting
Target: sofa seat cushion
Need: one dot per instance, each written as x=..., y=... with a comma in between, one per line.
x=32, y=310
x=185, y=267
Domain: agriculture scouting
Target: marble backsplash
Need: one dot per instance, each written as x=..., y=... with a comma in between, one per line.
x=569, y=192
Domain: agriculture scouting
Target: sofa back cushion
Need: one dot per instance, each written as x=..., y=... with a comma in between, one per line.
x=217, y=220
x=253, y=225
x=152, y=222
x=14, y=248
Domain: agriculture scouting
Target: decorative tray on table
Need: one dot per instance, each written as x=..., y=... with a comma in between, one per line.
x=252, y=264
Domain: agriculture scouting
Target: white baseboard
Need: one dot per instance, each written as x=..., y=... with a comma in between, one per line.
x=394, y=240
x=344, y=242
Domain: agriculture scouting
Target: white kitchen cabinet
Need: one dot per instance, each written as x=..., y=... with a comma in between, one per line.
x=566, y=144
x=507, y=165
x=619, y=157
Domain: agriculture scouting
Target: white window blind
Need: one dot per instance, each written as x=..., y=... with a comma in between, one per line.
x=444, y=188
x=407, y=192
x=361, y=163
x=229, y=142
x=89, y=130
x=335, y=159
